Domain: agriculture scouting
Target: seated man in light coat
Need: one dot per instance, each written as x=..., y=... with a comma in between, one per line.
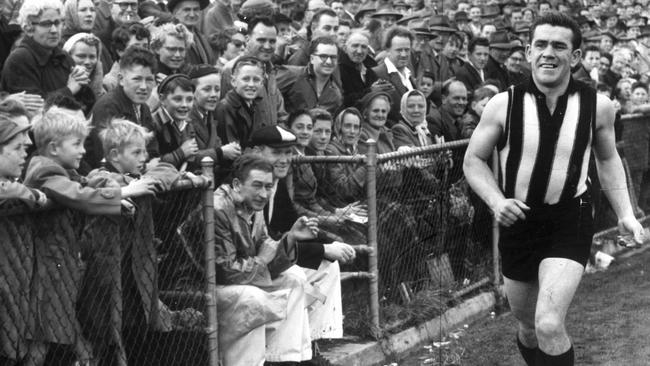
x=262, y=296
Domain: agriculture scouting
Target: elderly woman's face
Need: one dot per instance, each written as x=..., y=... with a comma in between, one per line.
x=377, y=112
x=84, y=55
x=172, y=53
x=46, y=30
x=416, y=108
x=86, y=13
x=350, y=129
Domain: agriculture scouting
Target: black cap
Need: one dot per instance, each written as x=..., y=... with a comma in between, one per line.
x=273, y=136
x=202, y=70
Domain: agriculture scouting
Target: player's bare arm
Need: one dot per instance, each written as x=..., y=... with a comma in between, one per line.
x=610, y=169
x=476, y=165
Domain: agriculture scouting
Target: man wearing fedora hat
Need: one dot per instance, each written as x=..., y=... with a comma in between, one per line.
x=500, y=46
x=188, y=13
x=387, y=16
x=439, y=64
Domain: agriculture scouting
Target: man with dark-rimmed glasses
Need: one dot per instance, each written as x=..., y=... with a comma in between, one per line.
x=313, y=85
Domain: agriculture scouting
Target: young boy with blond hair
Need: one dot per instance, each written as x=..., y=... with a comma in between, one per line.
x=125, y=151
x=59, y=135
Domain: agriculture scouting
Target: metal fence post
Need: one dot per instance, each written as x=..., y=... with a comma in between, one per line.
x=371, y=188
x=207, y=165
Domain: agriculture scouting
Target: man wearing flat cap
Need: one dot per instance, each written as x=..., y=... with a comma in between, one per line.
x=500, y=46
x=319, y=261
x=188, y=13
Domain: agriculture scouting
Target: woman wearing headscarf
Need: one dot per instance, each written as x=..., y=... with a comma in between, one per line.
x=345, y=183
x=79, y=17
x=412, y=130
x=85, y=49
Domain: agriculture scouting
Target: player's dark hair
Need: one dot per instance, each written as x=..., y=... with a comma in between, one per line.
x=558, y=19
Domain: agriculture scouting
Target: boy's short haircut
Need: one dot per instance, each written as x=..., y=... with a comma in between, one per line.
x=320, y=114
x=135, y=55
x=247, y=60
x=120, y=133
x=56, y=125
x=250, y=161
x=591, y=48
x=171, y=82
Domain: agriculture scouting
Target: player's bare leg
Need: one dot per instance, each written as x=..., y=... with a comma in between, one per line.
x=522, y=298
x=558, y=281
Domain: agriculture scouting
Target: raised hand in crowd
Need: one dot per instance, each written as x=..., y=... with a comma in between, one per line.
x=78, y=78
x=304, y=229
x=231, y=151
x=33, y=103
x=190, y=147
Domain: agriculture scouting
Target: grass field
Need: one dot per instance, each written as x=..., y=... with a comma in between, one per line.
x=609, y=322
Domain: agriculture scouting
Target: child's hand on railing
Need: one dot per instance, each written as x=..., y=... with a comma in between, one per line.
x=140, y=187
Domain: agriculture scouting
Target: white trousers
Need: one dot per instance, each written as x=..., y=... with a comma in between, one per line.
x=285, y=338
x=326, y=318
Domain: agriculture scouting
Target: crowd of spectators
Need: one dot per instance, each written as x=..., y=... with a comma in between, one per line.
x=123, y=88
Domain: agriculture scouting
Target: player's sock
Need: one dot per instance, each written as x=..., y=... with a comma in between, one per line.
x=565, y=359
x=528, y=354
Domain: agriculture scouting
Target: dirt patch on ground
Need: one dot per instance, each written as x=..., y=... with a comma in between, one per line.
x=609, y=322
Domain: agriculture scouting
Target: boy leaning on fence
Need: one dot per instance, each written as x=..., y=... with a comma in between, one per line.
x=59, y=135
x=16, y=264
x=124, y=145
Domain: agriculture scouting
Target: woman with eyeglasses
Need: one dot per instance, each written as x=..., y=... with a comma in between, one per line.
x=171, y=42
x=85, y=50
x=38, y=65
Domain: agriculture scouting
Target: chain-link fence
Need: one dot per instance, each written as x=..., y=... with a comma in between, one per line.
x=432, y=237
x=435, y=236
x=104, y=290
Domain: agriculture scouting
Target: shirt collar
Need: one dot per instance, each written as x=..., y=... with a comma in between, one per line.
x=390, y=67
x=166, y=118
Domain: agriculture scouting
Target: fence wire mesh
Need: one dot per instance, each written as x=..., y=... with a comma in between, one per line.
x=102, y=290
x=434, y=234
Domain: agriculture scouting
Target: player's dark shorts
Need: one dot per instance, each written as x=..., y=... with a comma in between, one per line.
x=564, y=230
